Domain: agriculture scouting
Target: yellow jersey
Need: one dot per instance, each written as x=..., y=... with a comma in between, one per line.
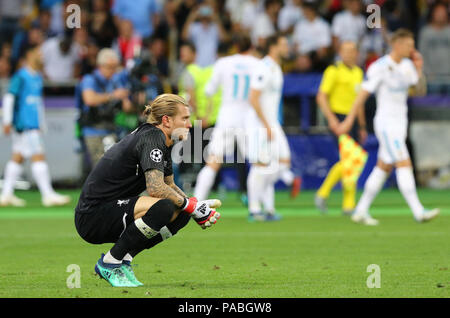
x=341, y=84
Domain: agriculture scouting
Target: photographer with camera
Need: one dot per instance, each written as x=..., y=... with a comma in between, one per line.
x=102, y=96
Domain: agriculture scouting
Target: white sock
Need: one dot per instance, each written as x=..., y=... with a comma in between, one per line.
x=41, y=175
x=109, y=259
x=373, y=185
x=407, y=186
x=269, y=198
x=255, y=187
x=13, y=170
x=205, y=181
x=285, y=174
x=128, y=257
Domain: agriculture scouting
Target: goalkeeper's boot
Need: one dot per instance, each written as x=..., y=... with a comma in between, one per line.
x=127, y=268
x=428, y=215
x=12, y=200
x=256, y=217
x=321, y=204
x=296, y=186
x=364, y=218
x=113, y=274
x=272, y=216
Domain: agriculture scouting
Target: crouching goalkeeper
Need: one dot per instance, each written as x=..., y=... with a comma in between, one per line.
x=110, y=209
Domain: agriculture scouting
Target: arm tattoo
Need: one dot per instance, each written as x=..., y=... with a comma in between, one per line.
x=171, y=183
x=157, y=188
x=421, y=87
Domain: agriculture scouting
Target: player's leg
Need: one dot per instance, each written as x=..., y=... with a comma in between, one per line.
x=407, y=186
x=268, y=194
x=133, y=222
x=178, y=221
x=206, y=178
x=40, y=171
x=285, y=172
x=221, y=141
x=13, y=170
x=372, y=187
x=258, y=156
x=256, y=186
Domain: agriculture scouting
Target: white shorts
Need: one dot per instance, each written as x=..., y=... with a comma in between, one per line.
x=265, y=151
x=230, y=127
x=27, y=143
x=223, y=139
x=392, y=143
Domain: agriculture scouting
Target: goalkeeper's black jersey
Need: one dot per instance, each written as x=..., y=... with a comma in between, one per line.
x=120, y=172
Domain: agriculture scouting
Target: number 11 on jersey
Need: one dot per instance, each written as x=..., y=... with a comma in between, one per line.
x=237, y=94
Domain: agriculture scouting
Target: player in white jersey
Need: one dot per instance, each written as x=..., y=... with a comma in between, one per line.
x=269, y=151
x=390, y=78
x=232, y=74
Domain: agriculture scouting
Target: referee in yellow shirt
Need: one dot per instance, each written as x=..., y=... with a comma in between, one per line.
x=337, y=92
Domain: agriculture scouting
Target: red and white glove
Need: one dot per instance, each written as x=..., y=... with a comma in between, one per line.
x=203, y=212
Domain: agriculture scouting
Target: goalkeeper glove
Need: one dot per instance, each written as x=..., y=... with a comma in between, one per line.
x=201, y=211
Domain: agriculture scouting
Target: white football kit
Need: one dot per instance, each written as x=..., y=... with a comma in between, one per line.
x=390, y=81
x=232, y=74
x=267, y=78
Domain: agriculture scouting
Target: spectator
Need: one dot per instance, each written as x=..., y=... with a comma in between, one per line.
x=158, y=50
x=434, y=44
x=61, y=58
x=250, y=10
x=374, y=44
x=144, y=14
x=265, y=23
x=348, y=25
x=178, y=13
x=55, y=9
x=5, y=72
x=101, y=25
x=204, y=29
x=5, y=67
x=289, y=16
x=235, y=8
x=129, y=43
x=102, y=95
x=88, y=60
x=24, y=39
x=312, y=40
x=10, y=14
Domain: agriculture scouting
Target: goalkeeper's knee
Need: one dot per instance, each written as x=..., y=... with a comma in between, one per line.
x=159, y=214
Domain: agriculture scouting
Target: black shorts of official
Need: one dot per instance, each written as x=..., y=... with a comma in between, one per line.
x=105, y=222
x=354, y=131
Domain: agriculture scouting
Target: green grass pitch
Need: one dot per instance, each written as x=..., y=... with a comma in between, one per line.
x=304, y=255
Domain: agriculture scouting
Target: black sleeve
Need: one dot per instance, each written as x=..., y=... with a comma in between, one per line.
x=150, y=151
x=168, y=170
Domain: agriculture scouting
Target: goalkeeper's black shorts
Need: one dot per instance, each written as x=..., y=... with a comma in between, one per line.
x=105, y=222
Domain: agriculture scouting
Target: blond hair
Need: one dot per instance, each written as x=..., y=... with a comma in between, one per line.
x=401, y=34
x=163, y=105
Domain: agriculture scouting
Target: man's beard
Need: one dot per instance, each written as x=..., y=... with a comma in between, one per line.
x=179, y=134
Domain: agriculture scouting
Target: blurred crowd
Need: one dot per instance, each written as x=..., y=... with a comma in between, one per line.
x=159, y=27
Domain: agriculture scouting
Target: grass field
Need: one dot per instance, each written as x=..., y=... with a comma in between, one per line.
x=304, y=255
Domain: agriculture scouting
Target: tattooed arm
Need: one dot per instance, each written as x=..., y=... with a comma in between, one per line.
x=171, y=183
x=157, y=188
